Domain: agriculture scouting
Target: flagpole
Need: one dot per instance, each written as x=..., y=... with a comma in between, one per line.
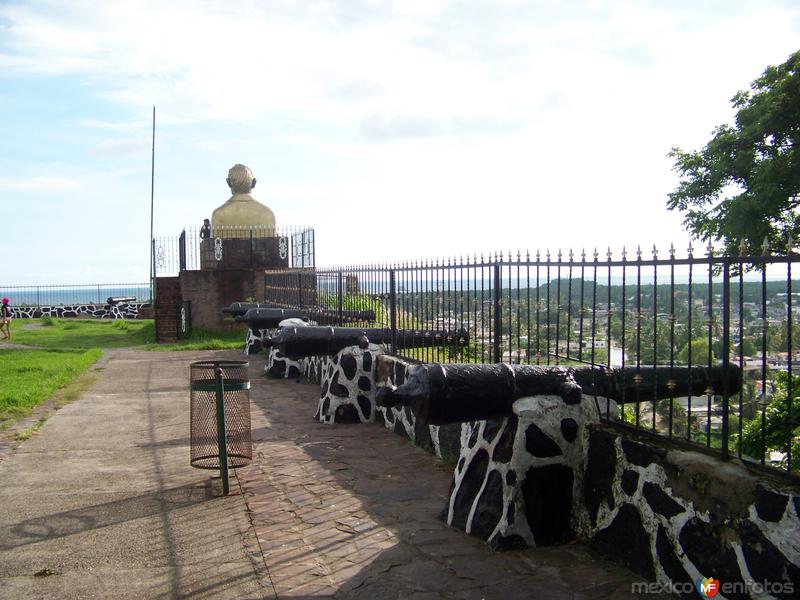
x=152, y=185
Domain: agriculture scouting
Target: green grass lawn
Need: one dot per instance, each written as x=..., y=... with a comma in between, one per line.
x=56, y=334
x=94, y=333
x=58, y=350
x=31, y=376
x=203, y=339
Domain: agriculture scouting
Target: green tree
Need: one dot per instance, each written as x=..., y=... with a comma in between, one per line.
x=699, y=353
x=743, y=186
x=779, y=431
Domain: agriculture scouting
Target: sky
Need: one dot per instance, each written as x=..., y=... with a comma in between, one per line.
x=397, y=129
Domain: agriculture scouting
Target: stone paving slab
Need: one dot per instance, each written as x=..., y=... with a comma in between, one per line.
x=352, y=511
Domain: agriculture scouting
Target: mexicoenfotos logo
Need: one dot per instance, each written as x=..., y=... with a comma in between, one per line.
x=708, y=587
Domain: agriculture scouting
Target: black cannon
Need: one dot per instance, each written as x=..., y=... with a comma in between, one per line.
x=120, y=300
x=236, y=309
x=316, y=313
x=269, y=318
x=441, y=394
x=300, y=342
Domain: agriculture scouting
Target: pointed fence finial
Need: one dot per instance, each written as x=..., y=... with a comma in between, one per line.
x=789, y=243
x=595, y=254
x=690, y=249
x=624, y=253
x=765, y=246
x=608, y=253
x=671, y=250
x=638, y=252
x=742, y=247
x=655, y=252
x=710, y=248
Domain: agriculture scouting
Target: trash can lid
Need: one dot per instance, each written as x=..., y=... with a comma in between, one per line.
x=214, y=364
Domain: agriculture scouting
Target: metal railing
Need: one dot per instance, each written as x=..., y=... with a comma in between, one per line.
x=172, y=254
x=630, y=311
x=67, y=295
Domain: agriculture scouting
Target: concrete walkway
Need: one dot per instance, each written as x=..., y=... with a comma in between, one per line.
x=103, y=504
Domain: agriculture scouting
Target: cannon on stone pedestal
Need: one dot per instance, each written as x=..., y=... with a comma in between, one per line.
x=260, y=320
x=441, y=394
x=300, y=342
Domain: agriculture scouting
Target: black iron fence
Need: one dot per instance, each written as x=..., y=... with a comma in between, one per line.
x=172, y=254
x=632, y=310
x=68, y=295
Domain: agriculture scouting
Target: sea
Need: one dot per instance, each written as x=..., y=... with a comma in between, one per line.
x=61, y=295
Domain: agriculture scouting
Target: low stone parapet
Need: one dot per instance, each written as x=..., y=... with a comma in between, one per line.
x=676, y=516
x=347, y=386
x=122, y=310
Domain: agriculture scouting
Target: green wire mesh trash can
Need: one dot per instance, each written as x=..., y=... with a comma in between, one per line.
x=215, y=383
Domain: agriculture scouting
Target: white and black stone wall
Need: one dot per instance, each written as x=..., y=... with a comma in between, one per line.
x=347, y=386
x=519, y=480
x=444, y=441
x=279, y=366
x=123, y=310
x=253, y=343
x=676, y=516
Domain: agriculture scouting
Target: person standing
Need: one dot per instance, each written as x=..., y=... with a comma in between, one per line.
x=5, y=320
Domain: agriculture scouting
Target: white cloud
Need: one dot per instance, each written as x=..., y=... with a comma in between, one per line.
x=500, y=118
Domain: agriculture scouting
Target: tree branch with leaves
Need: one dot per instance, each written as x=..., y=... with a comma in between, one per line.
x=743, y=187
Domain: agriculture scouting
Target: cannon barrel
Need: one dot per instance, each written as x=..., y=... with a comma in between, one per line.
x=441, y=394
x=300, y=342
x=120, y=299
x=240, y=308
x=269, y=318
